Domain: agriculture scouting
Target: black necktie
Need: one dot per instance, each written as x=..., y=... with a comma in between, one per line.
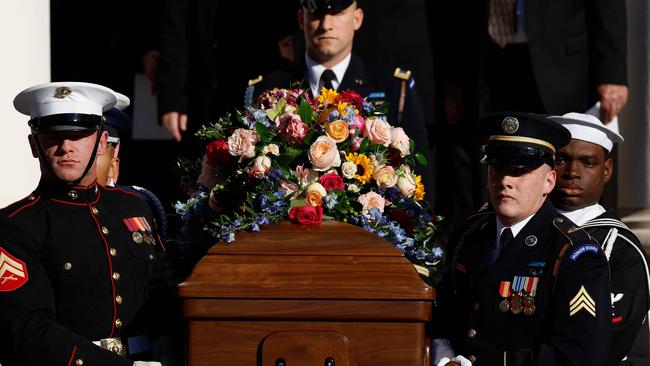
x=326, y=79
x=506, y=237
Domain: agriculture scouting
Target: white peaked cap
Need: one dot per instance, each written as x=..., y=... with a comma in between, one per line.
x=122, y=101
x=65, y=97
x=587, y=127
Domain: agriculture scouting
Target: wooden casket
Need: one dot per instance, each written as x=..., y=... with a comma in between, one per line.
x=326, y=295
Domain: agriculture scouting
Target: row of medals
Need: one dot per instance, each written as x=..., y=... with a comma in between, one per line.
x=145, y=236
x=517, y=303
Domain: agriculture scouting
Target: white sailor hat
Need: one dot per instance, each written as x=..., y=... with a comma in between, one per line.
x=65, y=106
x=587, y=127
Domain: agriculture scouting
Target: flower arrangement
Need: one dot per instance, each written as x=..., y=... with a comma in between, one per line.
x=292, y=157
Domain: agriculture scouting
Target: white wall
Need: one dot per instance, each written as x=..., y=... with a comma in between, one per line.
x=25, y=61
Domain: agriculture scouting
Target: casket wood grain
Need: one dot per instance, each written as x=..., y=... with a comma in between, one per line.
x=298, y=292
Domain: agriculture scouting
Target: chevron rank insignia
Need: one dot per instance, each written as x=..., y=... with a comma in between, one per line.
x=582, y=301
x=13, y=272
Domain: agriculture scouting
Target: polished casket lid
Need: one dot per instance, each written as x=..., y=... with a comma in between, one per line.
x=332, y=260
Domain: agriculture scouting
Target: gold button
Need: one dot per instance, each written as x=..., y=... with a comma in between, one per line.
x=151, y=257
x=95, y=210
x=105, y=230
x=476, y=306
x=31, y=198
x=67, y=266
x=118, y=323
x=79, y=362
x=471, y=333
x=118, y=299
x=113, y=252
x=472, y=358
x=116, y=276
x=73, y=195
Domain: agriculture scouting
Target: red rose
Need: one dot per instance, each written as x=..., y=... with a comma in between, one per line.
x=352, y=98
x=306, y=214
x=217, y=153
x=332, y=181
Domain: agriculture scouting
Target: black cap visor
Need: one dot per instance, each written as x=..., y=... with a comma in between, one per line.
x=66, y=122
x=322, y=6
x=517, y=156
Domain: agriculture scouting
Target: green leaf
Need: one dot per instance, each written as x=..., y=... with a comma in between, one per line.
x=278, y=110
x=421, y=159
x=326, y=217
x=295, y=202
x=305, y=112
x=364, y=145
x=265, y=134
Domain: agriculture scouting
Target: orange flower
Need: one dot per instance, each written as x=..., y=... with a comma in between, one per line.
x=314, y=198
x=337, y=130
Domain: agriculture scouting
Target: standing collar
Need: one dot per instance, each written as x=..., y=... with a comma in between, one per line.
x=582, y=215
x=64, y=193
x=315, y=70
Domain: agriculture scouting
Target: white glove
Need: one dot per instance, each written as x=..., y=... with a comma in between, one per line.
x=151, y=363
x=460, y=359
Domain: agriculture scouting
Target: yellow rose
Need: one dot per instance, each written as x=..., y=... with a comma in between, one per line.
x=337, y=130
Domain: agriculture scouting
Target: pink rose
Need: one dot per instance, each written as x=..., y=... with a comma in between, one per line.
x=242, y=143
x=378, y=131
x=323, y=154
x=332, y=181
x=400, y=141
x=291, y=128
x=385, y=176
x=307, y=214
x=261, y=166
x=371, y=200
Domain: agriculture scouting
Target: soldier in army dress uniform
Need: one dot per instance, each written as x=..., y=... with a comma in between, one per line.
x=329, y=27
x=525, y=286
x=583, y=168
x=85, y=278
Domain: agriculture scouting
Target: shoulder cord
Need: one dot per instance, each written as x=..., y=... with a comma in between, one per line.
x=608, y=244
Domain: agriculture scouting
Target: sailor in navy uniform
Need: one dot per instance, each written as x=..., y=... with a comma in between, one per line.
x=583, y=168
x=118, y=124
x=525, y=285
x=391, y=89
x=85, y=277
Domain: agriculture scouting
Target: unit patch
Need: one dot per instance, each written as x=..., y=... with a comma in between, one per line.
x=584, y=248
x=13, y=272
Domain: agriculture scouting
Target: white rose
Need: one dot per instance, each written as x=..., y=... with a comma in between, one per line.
x=349, y=169
x=318, y=188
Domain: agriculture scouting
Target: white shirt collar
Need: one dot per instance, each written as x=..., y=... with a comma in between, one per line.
x=582, y=215
x=314, y=71
x=516, y=228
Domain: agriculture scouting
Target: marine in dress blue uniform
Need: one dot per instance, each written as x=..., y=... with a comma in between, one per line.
x=542, y=297
x=86, y=280
x=583, y=167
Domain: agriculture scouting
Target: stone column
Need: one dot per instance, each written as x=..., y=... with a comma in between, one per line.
x=25, y=40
